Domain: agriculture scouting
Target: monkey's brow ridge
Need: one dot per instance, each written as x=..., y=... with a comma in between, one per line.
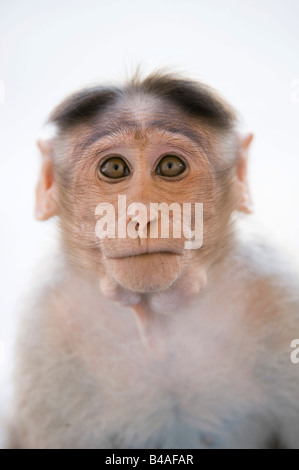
x=127, y=127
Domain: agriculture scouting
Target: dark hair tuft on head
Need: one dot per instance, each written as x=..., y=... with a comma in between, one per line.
x=194, y=98
x=83, y=105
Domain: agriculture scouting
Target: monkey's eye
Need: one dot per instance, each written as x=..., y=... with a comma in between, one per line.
x=170, y=165
x=114, y=167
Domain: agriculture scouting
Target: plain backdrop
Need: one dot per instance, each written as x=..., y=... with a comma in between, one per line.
x=248, y=50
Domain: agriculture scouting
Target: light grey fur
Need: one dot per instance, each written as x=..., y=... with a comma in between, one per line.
x=220, y=374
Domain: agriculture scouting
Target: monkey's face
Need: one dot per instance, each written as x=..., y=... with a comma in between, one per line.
x=126, y=164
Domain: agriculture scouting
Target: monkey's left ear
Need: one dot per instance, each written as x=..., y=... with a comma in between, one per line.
x=244, y=198
x=45, y=198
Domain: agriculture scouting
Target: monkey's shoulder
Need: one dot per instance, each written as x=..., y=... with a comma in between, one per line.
x=267, y=283
x=260, y=263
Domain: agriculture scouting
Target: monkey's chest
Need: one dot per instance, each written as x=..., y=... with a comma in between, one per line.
x=184, y=397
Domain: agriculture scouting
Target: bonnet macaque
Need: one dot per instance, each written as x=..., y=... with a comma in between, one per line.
x=144, y=341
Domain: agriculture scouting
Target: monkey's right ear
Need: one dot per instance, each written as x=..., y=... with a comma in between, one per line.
x=244, y=203
x=45, y=191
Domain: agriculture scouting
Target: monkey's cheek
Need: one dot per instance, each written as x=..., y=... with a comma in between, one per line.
x=114, y=291
x=146, y=273
x=181, y=293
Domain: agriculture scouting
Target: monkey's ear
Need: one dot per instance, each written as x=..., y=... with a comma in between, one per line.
x=45, y=201
x=244, y=198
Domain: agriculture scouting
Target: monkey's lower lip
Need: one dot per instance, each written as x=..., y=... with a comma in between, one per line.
x=148, y=253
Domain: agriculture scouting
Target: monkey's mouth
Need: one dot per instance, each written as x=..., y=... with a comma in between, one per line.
x=144, y=271
x=148, y=252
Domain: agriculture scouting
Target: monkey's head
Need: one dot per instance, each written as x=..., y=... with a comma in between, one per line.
x=116, y=154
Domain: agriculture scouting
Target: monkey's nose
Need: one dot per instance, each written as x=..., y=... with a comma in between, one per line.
x=144, y=217
x=144, y=226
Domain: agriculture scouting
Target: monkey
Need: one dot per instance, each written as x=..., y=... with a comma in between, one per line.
x=139, y=342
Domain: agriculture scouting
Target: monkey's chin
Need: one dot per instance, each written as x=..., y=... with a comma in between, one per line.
x=147, y=272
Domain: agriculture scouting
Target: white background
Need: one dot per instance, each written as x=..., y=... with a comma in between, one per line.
x=248, y=50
